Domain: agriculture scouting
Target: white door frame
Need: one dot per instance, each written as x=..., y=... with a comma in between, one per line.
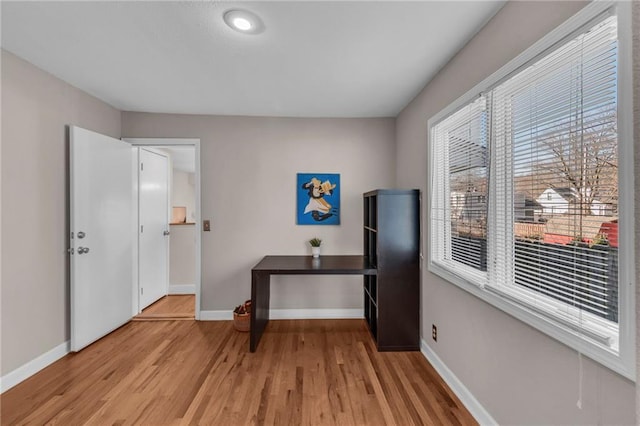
x=159, y=142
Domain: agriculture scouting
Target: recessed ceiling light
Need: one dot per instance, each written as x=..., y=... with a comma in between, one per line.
x=242, y=24
x=243, y=21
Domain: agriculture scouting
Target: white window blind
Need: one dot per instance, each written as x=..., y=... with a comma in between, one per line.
x=460, y=191
x=555, y=138
x=524, y=191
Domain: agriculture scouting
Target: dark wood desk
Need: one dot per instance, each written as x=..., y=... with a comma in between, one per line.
x=294, y=265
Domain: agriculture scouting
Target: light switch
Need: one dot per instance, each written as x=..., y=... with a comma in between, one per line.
x=206, y=225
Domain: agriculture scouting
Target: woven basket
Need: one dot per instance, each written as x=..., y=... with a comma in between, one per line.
x=241, y=322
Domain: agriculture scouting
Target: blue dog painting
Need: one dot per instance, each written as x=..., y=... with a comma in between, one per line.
x=318, y=199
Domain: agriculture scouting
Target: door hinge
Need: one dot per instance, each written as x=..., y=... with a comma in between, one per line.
x=141, y=290
x=141, y=166
x=141, y=229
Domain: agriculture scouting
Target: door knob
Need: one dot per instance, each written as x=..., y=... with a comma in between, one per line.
x=83, y=250
x=165, y=233
x=81, y=235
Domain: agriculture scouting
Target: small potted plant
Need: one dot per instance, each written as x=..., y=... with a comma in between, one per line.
x=242, y=316
x=315, y=246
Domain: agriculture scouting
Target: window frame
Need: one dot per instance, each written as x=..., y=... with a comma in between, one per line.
x=622, y=362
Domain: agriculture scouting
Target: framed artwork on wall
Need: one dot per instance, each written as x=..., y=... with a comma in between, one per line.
x=318, y=199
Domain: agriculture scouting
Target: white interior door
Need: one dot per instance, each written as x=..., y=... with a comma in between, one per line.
x=101, y=244
x=154, y=226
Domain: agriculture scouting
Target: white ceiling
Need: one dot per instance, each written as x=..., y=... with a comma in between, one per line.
x=314, y=59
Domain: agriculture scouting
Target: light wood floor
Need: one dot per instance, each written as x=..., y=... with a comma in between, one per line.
x=172, y=307
x=305, y=372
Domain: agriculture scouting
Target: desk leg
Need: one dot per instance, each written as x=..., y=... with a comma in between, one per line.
x=260, y=293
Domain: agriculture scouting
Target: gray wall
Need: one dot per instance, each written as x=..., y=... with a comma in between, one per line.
x=182, y=255
x=636, y=133
x=36, y=107
x=518, y=374
x=249, y=167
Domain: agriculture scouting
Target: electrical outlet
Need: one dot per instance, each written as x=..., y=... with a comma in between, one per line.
x=434, y=332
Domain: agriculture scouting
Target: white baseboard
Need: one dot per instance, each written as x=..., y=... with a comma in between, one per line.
x=216, y=315
x=277, y=314
x=182, y=289
x=27, y=370
x=476, y=409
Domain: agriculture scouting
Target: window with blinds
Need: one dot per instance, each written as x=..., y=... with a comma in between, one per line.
x=555, y=137
x=460, y=190
x=524, y=187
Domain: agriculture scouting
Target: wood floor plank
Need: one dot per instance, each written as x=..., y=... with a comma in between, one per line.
x=171, y=307
x=306, y=372
x=375, y=384
x=416, y=401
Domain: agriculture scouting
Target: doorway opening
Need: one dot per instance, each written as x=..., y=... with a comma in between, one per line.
x=173, y=307
x=182, y=281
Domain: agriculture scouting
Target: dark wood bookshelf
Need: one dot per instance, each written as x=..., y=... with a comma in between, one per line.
x=392, y=246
